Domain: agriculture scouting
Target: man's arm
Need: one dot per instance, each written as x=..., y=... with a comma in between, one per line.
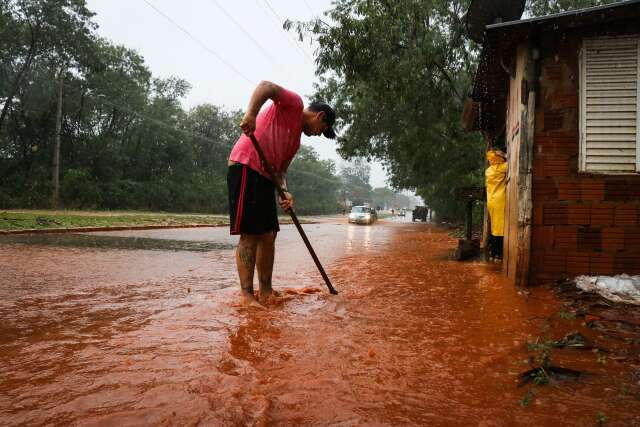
x=265, y=90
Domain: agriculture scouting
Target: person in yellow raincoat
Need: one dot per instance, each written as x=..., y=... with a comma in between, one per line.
x=495, y=176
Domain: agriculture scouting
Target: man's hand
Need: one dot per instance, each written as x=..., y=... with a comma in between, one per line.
x=248, y=124
x=286, y=204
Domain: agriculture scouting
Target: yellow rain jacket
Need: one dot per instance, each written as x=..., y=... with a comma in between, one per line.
x=496, y=190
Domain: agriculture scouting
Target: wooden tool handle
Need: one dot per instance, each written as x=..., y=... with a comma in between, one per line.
x=292, y=213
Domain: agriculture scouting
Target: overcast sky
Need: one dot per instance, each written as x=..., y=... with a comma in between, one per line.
x=237, y=44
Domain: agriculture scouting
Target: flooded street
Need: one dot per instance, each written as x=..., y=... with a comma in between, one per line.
x=145, y=328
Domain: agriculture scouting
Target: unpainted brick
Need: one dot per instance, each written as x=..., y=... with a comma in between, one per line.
x=632, y=239
x=602, y=214
x=579, y=214
x=565, y=238
x=591, y=189
x=555, y=213
x=601, y=263
x=617, y=190
x=544, y=189
x=628, y=263
x=554, y=262
x=589, y=239
x=568, y=189
x=613, y=239
x=577, y=263
x=626, y=214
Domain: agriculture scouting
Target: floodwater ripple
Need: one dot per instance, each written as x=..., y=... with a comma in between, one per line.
x=146, y=337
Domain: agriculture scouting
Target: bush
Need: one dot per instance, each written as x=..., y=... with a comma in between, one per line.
x=6, y=201
x=78, y=190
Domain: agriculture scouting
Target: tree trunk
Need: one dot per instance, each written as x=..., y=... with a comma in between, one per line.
x=55, y=196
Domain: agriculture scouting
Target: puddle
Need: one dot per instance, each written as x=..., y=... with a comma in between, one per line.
x=103, y=241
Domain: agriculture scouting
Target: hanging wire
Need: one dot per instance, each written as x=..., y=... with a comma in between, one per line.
x=202, y=44
x=279, y=21
x=309, y=7
x=262, y=49
x=100, y=98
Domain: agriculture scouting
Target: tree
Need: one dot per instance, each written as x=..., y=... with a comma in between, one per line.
x=123, y=138
x=313, y=183
x=55, y=31
x=398, y=74
x=542, y=8
x=355, y=182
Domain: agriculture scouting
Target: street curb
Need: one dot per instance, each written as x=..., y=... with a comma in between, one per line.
x=120, y=228
x=114, y=228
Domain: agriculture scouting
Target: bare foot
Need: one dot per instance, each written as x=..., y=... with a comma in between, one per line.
x=250, y=301
x=267, y=295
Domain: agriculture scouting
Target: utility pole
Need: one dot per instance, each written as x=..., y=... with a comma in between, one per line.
x=55, y=196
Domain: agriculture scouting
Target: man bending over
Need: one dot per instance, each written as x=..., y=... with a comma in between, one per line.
x=252, y=197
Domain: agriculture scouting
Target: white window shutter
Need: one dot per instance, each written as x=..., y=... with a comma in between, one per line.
x=610, y=95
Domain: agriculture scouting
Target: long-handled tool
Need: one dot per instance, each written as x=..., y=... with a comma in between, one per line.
x=291, y=212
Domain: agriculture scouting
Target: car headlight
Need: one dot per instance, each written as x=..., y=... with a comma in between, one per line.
x=352, y=216
x=367, y=216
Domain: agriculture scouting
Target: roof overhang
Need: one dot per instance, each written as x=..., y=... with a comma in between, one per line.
x=491, y=82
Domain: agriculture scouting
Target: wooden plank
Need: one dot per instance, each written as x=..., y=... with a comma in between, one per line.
x=612, y=108
x=596, y=145
x=613, y=64
x=612, y=101
x=525, y=200
x=611, y=130
x=612, y=85
x=613, y=115
x=611, y=72
x=613, y=122
x=613, y=78
x=610, y=160
x=614, y=137
x=638, y=109
x=582, y=58
x=611, y=94
x=603, y=48
x=620, y=168
x=595, y=151
x=611, y=59
x=610, y=43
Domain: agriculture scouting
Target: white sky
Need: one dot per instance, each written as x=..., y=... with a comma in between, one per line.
x=168, y=51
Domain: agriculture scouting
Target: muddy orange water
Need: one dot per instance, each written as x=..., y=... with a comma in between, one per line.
x=144, y=328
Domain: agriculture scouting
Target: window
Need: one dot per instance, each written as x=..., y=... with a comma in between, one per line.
x=609, y=101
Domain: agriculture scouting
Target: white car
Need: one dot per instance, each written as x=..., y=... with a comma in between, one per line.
x=362, y=215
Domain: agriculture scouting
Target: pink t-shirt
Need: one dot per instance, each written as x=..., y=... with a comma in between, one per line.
x=278, y=130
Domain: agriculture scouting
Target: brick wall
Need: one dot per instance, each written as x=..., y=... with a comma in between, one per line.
x=582, y=223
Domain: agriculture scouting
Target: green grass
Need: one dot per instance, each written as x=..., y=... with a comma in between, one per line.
x=21, y=220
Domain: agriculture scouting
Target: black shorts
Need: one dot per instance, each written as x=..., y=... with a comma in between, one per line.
x=252, y=201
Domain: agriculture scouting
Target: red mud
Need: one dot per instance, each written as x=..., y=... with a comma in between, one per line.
x=115, y=337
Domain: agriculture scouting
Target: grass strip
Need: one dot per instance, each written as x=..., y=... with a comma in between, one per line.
x=22, y=220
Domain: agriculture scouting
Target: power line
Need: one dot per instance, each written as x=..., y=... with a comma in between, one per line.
x=309, y=7
x=203, y=45
x=101, y=98
x=262, y=49
x=279, y=21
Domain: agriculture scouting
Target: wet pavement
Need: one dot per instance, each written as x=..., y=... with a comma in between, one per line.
x=145, y=328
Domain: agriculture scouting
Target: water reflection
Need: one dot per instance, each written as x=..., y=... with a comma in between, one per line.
x=134, y=337
x=102, y=241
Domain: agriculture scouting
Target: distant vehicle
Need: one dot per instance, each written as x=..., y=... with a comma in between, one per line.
x=363, y=215
x=420, y=213
x=402, y=212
